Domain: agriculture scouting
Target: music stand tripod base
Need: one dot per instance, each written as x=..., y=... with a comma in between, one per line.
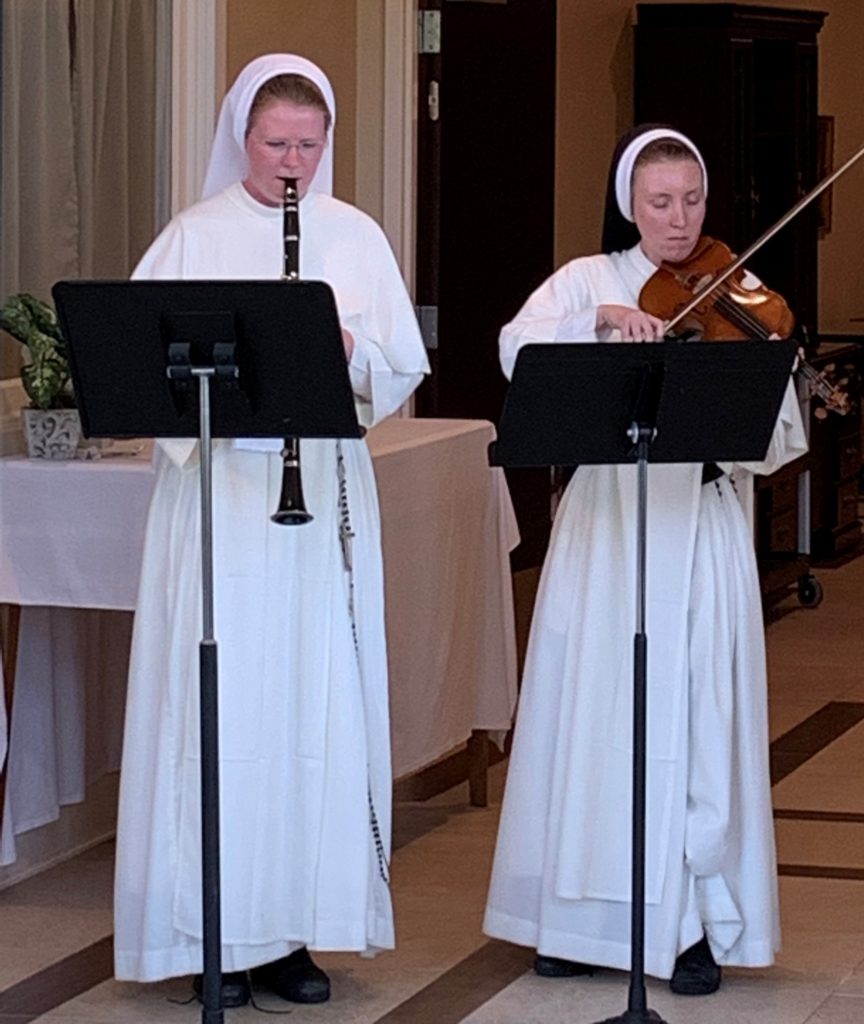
x=634, y=1017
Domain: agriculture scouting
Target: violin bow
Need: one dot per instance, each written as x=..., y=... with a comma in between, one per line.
x=739, y=261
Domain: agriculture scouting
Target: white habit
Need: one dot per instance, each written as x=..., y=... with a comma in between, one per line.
x=561, y=877
x=304, y=732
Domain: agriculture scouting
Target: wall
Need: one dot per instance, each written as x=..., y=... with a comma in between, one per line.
x=841, y=93
x=595, y=102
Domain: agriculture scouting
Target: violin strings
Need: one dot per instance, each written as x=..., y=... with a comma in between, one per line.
x=740, y=317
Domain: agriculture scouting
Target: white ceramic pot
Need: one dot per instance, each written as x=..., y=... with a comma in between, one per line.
x=51, y=433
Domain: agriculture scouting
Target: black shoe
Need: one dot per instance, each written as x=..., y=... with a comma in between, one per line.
x=235, y=988
x=555, y=967
x=295, y=978
x=696, y=971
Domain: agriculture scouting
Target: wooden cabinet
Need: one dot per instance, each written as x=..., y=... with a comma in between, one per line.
x=816, y=514
x=836, y=457
x=741, y=81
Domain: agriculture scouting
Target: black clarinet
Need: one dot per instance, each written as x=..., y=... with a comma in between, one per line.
x=292, y=508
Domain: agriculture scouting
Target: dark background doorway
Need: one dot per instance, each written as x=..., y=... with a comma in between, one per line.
x=485, y=217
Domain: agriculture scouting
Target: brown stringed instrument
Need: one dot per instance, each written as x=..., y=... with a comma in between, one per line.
x=734, y=310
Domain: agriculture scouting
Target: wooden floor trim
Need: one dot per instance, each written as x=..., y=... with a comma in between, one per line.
x=465, y=987
x=58, y=983
x=821, y=871
x=816, y=732
x=843, y=817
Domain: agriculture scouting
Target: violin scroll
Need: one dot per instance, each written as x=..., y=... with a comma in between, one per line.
x=833, y=395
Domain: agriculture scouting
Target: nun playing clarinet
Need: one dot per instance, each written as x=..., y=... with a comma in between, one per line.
x=304, y=732
x=561, y=876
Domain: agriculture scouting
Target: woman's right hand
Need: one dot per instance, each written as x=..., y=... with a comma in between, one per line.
x=632, y=324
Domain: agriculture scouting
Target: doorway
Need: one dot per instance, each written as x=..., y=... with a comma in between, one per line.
x=485, y=207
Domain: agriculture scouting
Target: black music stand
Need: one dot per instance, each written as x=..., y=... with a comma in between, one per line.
x=275, y=354
x=671, y=402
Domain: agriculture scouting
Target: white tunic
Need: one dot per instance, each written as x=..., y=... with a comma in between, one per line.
x=561, y=877
x=304, y=732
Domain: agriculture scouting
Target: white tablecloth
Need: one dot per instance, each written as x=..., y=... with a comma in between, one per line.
x=71, y=537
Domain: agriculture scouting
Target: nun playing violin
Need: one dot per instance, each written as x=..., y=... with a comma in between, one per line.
x=561, y=876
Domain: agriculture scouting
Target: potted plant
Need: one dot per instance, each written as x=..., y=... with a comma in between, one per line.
x=51, y=425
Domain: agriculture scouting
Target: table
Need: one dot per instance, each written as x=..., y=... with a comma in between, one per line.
x=70, y=543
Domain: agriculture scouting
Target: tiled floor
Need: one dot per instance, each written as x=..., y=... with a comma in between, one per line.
x=445, y=971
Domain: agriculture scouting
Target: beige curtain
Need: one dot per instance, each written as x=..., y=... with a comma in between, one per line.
x=114, y=94
x=39, y=215
x=79, y=112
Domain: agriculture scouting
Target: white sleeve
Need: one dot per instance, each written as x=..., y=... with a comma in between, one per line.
x=389, y=359
x=561, y=309
x=378, y=389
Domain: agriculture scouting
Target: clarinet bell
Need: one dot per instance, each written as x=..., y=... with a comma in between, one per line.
x=292, y=506
x=289, y=515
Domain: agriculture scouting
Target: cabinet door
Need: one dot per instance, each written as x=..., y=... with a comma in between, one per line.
x=806, y=167
x=743, y=183
x=752, y=112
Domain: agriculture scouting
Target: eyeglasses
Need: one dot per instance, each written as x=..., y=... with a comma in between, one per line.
x=307, y=149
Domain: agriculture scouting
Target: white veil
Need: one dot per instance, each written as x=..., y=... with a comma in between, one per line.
x=624, y=169
x=228, y=162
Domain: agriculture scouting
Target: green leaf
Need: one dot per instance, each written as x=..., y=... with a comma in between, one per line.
x=15, y=319
x=42, y=316
x=34, y=323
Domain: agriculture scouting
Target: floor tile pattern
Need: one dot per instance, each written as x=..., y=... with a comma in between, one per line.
x=55, y=929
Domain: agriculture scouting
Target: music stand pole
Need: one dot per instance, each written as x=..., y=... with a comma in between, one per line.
x=642, y=434
x=211, y=987
x=211, y=1012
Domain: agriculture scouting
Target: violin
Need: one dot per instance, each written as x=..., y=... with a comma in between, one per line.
x=685, y=294
x=732, y=312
